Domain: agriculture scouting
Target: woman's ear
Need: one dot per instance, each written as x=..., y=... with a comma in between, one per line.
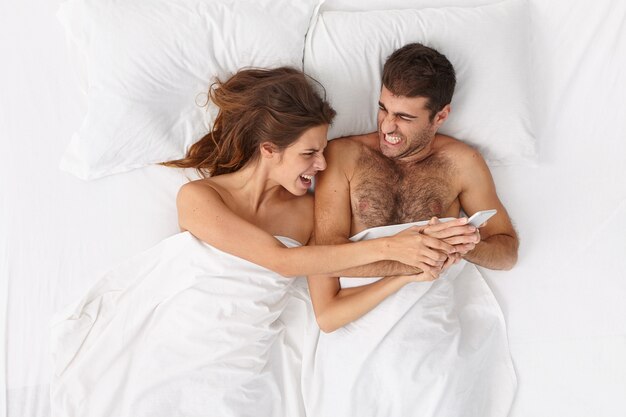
x=268, y=149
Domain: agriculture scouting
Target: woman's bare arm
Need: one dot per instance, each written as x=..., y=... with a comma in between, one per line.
x=335, y=307
x=203, y=212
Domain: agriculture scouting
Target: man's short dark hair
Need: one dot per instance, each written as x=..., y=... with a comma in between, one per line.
x=416, y=70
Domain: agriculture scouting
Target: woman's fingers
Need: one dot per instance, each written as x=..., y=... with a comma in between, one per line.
x=449, y=231
x=436, y=225
x=443, y=240
x=438, y=245
x=432, y=272
x=423, y=277
x=463, y=240
x=432, y=262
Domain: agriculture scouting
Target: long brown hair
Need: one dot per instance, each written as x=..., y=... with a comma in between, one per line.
x=255, y=105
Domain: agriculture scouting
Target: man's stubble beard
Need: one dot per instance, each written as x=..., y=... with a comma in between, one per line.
x=416, y=143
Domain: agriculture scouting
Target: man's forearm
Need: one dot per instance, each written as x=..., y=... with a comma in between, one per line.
x=495, y=252
x=376, y=269
x=380, y=269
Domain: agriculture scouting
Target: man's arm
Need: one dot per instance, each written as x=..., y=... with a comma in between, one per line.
x=499, y=242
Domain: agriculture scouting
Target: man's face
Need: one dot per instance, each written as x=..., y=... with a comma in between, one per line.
x=404, y=125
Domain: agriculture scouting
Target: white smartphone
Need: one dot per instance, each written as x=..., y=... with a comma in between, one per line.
x=480, y=217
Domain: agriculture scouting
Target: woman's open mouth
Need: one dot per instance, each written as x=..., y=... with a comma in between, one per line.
x=306, y=179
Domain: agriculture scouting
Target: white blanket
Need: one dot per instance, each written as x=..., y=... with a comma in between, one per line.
x=181, y=330
x=431, y=350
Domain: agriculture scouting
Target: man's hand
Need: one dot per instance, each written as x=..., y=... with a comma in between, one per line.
x=462, y=236
x=412, y=247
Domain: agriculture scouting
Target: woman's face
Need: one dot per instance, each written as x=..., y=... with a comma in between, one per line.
x=302, y=160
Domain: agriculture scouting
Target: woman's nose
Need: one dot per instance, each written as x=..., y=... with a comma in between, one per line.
x=320, y=162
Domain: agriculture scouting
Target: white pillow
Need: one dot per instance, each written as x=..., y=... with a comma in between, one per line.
x=352, y=5
x=149, y=65
x=488, y=46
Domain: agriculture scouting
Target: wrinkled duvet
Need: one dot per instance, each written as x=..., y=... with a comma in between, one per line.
x=433, y=349
x=182, y=329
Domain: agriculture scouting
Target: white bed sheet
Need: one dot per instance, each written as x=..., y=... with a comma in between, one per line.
x=564, y=301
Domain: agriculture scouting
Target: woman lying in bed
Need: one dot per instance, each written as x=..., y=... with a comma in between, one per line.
x=193, y=325
x=264, y=151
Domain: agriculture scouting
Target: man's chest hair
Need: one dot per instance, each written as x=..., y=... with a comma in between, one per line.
x=384, y=192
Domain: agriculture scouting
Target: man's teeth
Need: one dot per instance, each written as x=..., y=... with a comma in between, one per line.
x=307, y=177
x=392, y=139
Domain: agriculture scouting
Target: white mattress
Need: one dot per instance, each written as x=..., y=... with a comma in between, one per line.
x=563, y=302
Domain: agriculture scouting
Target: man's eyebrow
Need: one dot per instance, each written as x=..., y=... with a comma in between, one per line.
x=401, y=114
x=410, y=116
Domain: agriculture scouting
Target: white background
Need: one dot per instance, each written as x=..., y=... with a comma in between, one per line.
x=565, y=302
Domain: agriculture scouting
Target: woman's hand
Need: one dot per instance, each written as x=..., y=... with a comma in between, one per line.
x=433, y=273
x=421, y=277
x=413, y=247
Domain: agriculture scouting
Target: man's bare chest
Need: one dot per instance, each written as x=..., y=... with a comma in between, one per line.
x=384, y=192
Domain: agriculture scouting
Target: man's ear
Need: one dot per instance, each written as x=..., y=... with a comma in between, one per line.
x=441, y=116
x=268, y=149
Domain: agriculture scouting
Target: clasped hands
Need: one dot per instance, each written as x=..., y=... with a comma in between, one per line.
x=441, y=245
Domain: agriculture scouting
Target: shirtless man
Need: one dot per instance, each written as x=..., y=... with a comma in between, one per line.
x=403, y=173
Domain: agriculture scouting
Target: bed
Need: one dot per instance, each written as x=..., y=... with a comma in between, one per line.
x=564, y=185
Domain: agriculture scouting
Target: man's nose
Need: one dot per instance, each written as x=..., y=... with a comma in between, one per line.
x=388, y=125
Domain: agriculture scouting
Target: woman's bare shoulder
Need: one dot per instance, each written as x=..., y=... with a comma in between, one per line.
x=206, y=189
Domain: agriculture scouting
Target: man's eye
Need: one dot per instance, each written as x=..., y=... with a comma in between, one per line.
x=408, y=119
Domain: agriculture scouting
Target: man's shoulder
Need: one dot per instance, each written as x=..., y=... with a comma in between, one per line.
x=353, y=146
x=355, y=142
x=458, y=150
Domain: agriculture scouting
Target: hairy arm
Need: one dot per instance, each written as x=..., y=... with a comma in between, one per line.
x=499, y=242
